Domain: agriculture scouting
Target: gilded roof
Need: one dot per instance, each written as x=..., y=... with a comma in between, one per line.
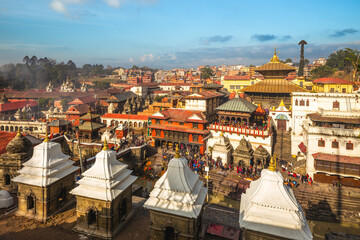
x=237, y=105
x=274, y=66
x=274, y=86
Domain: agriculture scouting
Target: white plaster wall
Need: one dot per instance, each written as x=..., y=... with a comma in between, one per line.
x=196, y=105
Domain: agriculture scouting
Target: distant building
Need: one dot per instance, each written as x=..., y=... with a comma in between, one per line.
x=332, y=85
x=178, y=126
x=320, y=62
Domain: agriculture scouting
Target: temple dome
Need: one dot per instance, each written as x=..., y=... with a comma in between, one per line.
x=19, y=144
x=6, y=200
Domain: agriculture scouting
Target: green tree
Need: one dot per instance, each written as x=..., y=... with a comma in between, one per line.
x=288, y=60
x=101, y=85
x=206, y=72
x=354, y=59
x=340, y=60
x=306, y=62
x=322, y=71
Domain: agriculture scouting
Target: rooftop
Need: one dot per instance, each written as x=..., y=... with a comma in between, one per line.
x=273, y=86
x=237, y=105
x=332, y=81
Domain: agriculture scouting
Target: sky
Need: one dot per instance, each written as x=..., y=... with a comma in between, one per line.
x=175, y=33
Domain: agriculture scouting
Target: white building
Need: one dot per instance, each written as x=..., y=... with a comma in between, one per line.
x=326, y=130
x=175, y=86
x=139, y=90
x=206, y=101
x=269, y=209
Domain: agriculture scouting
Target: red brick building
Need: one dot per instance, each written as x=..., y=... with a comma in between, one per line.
x=179, y=126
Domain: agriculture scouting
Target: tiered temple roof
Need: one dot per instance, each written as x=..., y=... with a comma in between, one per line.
x=179, y=191
x=106, y=179
x=47, y=165
x=269, y=206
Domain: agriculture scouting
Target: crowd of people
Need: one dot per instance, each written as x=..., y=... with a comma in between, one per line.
x=256, y=125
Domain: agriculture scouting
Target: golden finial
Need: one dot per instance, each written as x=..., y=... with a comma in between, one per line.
x=177, y=151
x=282, y=103
x=46, y=137
x=272, y=166
x=106, y=147
x=275, y=58
x=221, y=134
x=18, y=133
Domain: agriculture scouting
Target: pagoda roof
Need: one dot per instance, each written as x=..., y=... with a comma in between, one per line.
x=106, y=179
x=91, y=126
x=47, y=165
x=179, y=191
x=273, y=86
x=269, y=206
x=274, y=66
x=237, y=105
x=89, y=116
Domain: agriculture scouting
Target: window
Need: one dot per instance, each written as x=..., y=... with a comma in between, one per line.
x=332, y=90
x=195, y=125
x=336, y=105
x=238, y=87
x=195, y=138
x=302, y=102
x=349, y=146
x=335, y=144
x=157, y=133
x=344, y=90
x=7, y=179
x=321, y=143
x=307, y=102
x=301, y=84
x=181, y=124
x=296, y=102
x=157, y=121
x=169, y=122
x=232, y=87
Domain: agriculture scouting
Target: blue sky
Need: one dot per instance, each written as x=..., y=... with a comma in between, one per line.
x=170, y=34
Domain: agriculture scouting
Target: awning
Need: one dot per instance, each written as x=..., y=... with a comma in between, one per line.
x=223, y=231
x=302, y=147
x=336, y=158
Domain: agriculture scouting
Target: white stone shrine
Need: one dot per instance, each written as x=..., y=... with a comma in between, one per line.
x=223, y=150
x=269, y=207
x=176, y=202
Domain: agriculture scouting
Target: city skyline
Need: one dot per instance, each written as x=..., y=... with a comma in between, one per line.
x=168, y=34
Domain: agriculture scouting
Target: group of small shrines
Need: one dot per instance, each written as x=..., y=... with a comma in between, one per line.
x=46, y=183
x=135, y=104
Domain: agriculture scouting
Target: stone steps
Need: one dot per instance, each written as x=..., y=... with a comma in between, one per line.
x=325, y=206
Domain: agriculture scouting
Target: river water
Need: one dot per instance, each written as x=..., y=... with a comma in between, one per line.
x=317, y=228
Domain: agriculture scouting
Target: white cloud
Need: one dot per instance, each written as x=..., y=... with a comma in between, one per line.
x=148, y=57
x=114, y=3
x=58, y=6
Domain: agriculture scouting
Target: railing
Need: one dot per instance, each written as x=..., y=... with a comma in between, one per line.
x=241, y=130
x=330, y=130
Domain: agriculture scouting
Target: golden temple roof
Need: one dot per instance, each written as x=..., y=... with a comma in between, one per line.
x=274, y=86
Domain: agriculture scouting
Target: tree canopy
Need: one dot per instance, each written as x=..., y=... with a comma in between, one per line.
x=206, y=72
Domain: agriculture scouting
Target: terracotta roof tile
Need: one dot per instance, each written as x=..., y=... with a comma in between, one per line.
x=125, y=116
x=332, y=81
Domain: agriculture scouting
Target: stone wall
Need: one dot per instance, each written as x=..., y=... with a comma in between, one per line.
x=46, y=200
x=184, y=228
x=109, y=215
